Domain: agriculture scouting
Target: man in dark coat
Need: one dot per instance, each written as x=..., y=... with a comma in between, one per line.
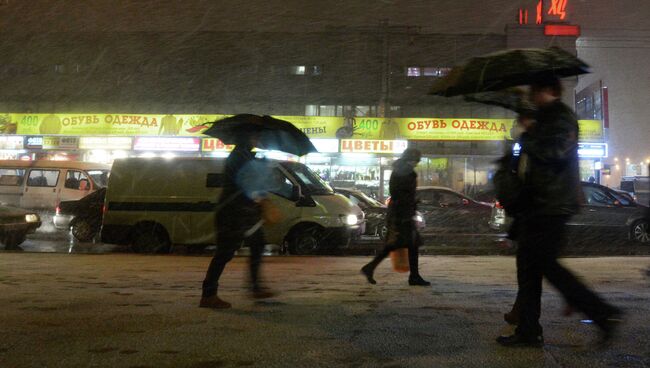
x=238, y=220
x=553, y=194
x=402, y=232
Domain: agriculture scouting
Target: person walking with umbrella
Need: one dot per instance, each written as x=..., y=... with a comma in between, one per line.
x=552, y=195
x=239, y=216
x=402, y=232
x=237, y=221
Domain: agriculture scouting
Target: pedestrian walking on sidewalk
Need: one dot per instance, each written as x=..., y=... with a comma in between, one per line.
x=238, y=220
x=552, y=193
x=402, y=232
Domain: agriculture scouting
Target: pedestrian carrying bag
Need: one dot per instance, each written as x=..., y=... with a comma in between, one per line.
x=400, y=260
x=509, y=185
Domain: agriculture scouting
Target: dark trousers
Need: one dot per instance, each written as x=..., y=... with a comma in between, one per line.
x=540, y=241
x=223, y=255
x=406, y=237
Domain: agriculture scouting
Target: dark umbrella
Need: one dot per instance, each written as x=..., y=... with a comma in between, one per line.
x=503, y=69
x=512, y=99
x=272, y=133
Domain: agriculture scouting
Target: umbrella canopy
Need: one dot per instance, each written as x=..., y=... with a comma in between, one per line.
x=508, y=68
x=271, y=133
x=512, y=99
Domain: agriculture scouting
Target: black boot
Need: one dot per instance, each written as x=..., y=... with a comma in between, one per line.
x=368, y=271
x=417, y=280
x=516, y=340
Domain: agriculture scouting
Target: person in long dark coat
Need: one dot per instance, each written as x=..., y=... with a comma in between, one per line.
x=402, y=232
x=238, y=222
x=553, y=194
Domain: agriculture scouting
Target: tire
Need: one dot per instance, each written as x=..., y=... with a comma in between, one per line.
x=83, y=230
x=640, y=232
x=305, y=240
x=13, y=240
x=150, y=238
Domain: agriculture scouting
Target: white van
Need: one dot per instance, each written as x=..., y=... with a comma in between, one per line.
x=152, y=203
x=43, y=184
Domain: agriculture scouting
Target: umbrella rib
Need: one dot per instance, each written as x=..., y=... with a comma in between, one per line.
x=480, y=80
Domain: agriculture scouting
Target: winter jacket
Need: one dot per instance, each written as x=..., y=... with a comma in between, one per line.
x=402, y=184
x=552, y=177
x=236, y=212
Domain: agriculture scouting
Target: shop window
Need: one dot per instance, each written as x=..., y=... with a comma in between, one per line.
x=76, y=180
x=43, y=178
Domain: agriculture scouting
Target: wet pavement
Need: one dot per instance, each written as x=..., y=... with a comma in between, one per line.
x=130, y=310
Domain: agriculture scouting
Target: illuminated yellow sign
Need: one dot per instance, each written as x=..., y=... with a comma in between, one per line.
x=467, y=129
x=373, y=146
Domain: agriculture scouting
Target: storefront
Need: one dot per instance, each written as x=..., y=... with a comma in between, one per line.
x=457, y=153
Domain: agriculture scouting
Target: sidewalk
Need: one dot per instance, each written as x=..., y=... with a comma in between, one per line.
x=126, y=310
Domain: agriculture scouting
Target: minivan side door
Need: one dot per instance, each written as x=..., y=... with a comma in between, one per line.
x=41, y=189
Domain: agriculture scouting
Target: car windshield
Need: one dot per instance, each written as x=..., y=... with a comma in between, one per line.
x=363, y=197
x=100, y=177
x=309, y=181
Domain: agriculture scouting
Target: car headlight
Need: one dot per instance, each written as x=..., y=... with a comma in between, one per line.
x=349, y=220
x=418, y=218
x=32, y=217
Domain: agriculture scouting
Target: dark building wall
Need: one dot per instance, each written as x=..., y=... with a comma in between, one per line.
x=229, y=72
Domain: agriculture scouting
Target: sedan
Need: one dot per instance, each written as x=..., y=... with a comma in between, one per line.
x=15, y=224
x=375, y=212
x=605, y=213
x=447, y=211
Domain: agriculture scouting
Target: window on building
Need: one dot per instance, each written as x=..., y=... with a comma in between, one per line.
x=312, y=70
x=427, y=71
x=413, y=71
x=297, y=70
x=311, y=110
x=327, y=110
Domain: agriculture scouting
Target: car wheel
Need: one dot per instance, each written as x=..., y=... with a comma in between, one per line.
x=13, y=240
x=83, y=230
x=383, y=232
x=150, y=238
x=641, y=232
x=305, y=240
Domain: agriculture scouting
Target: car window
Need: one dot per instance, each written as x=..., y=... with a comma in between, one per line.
x=280, y=184
x=12, y=177
x=623, y=198
x=596, y=197
x=447, y=199
x=76, y=180
x=43, y=178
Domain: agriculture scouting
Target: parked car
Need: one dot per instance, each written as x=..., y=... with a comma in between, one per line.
x=638, y=186
x=606, y=213
x=148, y=211
x=447, y=211
x=42, y=184
x=15, y=224
x=375, y=212
x=83, y=216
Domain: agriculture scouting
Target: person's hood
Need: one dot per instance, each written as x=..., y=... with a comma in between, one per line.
x=401, y=167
